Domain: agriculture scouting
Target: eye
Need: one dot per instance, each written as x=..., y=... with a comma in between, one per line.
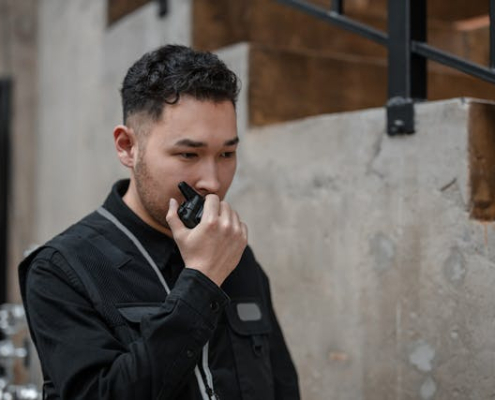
x=187, y=156
x=228, y=154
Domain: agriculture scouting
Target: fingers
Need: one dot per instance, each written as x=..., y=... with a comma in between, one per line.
x=211, y=208
x=172, y=217
x=244, y=231
x=215, y=213
x=226, y=214
x=230, y=220
x=216, y=245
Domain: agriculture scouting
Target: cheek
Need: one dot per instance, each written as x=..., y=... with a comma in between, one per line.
x=164, y=167
x=227, y=173
x=172, y=173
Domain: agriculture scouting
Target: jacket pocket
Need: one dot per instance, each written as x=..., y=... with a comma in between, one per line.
x=133, y=314
x=249, y=330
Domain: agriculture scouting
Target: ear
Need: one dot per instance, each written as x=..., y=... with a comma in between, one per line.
x=126, y=145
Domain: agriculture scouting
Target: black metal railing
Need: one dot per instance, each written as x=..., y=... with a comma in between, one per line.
x=162, y=7
x=408, y=51
x=5, y=118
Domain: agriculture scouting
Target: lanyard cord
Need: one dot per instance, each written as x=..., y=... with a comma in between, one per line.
x=108, y=215
x=206, y=390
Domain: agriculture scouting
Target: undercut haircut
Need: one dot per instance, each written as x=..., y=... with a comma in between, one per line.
x=162, y=76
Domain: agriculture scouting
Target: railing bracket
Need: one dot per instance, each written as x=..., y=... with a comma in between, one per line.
x=162, y=8
x=400, y=116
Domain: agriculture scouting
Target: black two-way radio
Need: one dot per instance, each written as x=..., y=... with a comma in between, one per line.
x=191, y=210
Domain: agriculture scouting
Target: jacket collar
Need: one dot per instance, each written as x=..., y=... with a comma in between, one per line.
x=159, y=245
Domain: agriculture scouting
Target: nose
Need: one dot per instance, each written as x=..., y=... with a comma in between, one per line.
x=209, y=181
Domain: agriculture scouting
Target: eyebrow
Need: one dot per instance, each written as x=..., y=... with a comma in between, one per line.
x=196, y=144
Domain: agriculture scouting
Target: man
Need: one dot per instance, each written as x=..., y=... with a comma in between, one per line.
x=131, y=304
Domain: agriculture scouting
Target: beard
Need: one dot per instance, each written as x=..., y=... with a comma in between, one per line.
x=146, y=187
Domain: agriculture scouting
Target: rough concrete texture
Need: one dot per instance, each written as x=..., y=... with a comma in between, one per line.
x=382, y=281
x=18, y=27
x=81, y=66
x=236, y=57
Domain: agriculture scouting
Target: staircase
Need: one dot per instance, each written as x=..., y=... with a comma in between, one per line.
x=300, y=66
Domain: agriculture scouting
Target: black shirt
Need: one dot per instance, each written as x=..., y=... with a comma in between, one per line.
x=131, y=340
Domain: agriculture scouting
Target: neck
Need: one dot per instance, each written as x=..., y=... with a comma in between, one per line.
x=133, y=201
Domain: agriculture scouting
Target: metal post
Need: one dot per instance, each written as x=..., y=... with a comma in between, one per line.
x=162, y=7
x=338, y=6
x=5, y=117
x=406, y=71
x=492, y=34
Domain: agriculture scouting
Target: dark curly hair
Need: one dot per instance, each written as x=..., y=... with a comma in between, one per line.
x=161, y=76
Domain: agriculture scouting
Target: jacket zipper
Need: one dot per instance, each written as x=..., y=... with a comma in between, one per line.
x=209, y=378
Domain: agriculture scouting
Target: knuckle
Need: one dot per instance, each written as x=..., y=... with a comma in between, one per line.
x=211, y=222
x=239, y=231
x=226, y=226
x=236, y=230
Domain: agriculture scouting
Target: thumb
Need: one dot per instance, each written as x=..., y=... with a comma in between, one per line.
x=172, y=217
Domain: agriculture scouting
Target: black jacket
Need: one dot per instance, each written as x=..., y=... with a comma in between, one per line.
x=105, y=327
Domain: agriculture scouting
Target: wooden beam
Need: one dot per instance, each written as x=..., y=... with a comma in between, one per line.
x=118, y=9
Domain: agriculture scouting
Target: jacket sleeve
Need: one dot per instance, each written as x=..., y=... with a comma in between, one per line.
x=284, y=372
x=84, y=360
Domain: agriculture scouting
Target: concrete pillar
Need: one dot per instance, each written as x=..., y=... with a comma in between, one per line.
x=80, y=74
x=18, y=52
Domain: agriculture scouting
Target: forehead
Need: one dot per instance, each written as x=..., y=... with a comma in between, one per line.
x=201, y=120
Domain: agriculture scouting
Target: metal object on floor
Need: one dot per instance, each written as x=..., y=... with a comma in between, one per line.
x=13, y=323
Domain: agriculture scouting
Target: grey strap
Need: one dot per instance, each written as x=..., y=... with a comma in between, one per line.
x=108, y=215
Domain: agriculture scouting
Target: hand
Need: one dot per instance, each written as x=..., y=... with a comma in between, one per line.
x=216, y=244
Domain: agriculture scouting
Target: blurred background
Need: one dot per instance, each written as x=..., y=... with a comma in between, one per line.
x=378, y=241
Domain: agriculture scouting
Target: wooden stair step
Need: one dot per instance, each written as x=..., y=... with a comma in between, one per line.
x=288, y=84
x=223, y=22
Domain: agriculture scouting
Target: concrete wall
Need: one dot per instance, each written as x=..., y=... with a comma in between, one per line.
x=81, y=66
x=18, y=62
x=382, y=281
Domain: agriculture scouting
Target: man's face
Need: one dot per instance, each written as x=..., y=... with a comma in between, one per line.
x=196, y=142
